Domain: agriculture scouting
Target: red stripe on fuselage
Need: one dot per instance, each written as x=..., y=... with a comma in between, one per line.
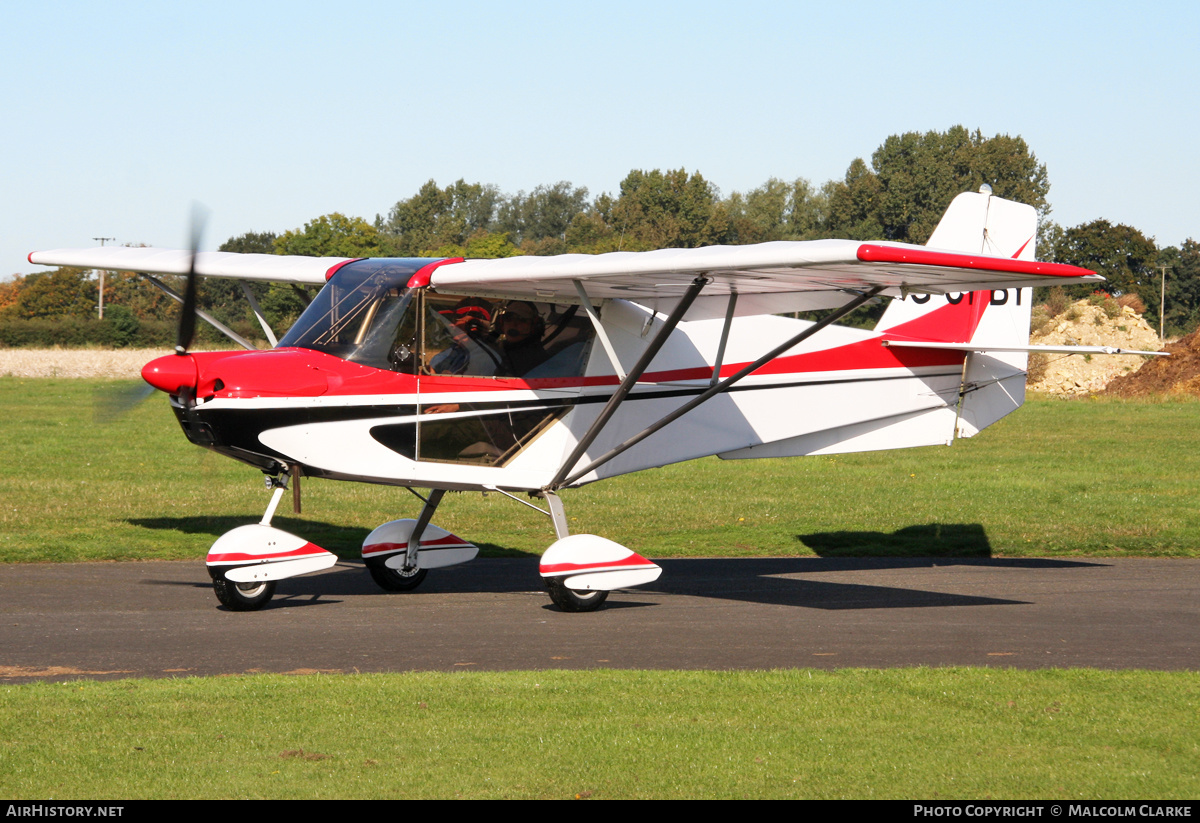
x=266, y=373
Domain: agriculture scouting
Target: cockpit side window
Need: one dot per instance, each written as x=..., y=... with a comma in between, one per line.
x=457, y=337
x=476, y=337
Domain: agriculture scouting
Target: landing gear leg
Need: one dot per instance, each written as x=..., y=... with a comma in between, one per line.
x=251, y=596
x=410, y=575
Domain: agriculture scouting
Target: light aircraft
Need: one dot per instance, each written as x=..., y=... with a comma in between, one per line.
x=528, y=375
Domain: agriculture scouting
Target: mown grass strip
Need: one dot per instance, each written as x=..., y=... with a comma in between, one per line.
x=923, y=733
x=1096, y=477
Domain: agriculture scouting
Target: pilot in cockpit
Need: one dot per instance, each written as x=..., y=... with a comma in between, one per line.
x=467, y=324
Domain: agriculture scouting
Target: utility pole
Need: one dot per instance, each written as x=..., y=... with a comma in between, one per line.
x=102, y=239
x=1162, y=302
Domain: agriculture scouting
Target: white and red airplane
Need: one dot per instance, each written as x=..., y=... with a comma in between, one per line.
x=533, y=374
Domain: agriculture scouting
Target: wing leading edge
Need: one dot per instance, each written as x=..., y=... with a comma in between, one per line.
x=275, y=267
x=820, y=269
x=781, y=267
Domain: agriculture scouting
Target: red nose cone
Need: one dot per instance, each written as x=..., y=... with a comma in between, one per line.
x=170, y=373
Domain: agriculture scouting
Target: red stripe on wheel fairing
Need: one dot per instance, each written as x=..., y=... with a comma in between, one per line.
x=308, y=549
x=633, y=562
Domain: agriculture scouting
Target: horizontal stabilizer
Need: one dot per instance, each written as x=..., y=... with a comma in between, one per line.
x=982, y=346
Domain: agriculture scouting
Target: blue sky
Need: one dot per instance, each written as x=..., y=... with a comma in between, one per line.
x=117, y=116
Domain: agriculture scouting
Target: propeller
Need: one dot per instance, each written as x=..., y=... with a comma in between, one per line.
x=187, y=312
x=110, y=403
x=113, y=402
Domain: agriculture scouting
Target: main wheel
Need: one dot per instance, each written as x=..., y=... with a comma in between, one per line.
x=570, y=600
x=395, y=580
x=243, y=597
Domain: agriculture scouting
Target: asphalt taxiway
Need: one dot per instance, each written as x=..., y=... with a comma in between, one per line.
x=108, y=620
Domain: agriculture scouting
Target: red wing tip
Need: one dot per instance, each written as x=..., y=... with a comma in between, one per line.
x=871, y=253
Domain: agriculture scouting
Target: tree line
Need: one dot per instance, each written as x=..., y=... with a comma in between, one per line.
x=899, y=195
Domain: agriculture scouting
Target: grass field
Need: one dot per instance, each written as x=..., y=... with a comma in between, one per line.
x=1095, y=477
x=1099, y=477
x=924, y=733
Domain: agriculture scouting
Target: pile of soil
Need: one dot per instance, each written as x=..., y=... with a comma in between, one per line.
x=1086, y=324
x=1177, y=374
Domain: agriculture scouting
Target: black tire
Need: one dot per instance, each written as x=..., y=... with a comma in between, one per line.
x=395, y=580
x=243, y=597
x=572, y=601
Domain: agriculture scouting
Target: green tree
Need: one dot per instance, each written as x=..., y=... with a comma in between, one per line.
x=777, y=210
x=252, y=242
x=1121, y=253
x=125, y=326
x=63, y=292
x=141, y=298
x=482, y=244
x=590, y=233
x=913, y=177
x=854, y=204
x=543, y=214
x=331, y=235
x=671, y=209
x=436, y=217
x=1182, y=315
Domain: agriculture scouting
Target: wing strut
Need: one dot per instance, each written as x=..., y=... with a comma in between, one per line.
x=599, y=327
x=632, y=377
x=262, y=320
x=205, y=316
x=716, y=375
x=836, y=315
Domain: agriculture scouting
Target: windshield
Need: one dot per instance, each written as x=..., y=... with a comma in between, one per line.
x=360, y=315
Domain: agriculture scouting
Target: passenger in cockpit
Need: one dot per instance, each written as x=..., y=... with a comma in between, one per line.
x=521, y=329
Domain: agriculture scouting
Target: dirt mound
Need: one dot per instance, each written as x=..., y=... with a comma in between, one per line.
x=1088, y=322
x=1177, y=374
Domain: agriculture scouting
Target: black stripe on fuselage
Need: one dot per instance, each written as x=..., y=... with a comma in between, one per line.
x=235, y=432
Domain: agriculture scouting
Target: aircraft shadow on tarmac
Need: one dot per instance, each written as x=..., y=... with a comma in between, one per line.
x=768, y=581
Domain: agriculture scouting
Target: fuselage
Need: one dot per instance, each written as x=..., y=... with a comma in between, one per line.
x=378, y=382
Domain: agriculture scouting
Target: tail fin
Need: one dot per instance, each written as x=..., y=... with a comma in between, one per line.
x=993, y=382
x=976, y=223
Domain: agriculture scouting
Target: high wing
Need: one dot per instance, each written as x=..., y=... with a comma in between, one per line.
x=805, y=274
x=276, y=267
x=822, y=272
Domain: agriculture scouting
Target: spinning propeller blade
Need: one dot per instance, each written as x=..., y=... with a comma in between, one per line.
x=109, y=403
x=187, y=312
